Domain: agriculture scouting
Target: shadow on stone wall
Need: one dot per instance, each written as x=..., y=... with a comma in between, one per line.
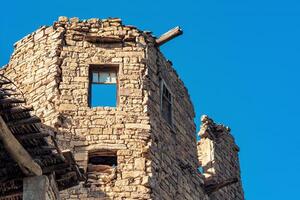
x=81, y=191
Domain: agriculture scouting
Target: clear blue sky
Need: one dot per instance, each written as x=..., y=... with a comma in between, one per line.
x=238, y=58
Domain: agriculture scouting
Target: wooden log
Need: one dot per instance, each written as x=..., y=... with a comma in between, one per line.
x=105, y=152
x=71, y=161
x=57, y=148
x=5, y=93
x=31, y=120
x=28, y=166
x=37, y=152
x=18, y=109
x=69, y=156
x=66, y=183
x=102, y=39
x=11, y=100
x=33, y=136
x=67, y=176
x=15, y=196
x=210, y=188
x=8, y=89
x=169, y=36
x=50, y=147
x=52, y=168
x=4, y=82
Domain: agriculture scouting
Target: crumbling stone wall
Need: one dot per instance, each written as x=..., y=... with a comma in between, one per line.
x=124, y=129
x=218, y=155
x=35, y=68
x=173, y=148
x=155, y=160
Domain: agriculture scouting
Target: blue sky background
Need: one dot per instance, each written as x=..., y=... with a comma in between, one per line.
x=238, y=58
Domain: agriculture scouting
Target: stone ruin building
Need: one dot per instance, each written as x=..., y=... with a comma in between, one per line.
x=141, y=146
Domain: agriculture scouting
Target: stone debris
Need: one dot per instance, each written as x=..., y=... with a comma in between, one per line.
x=218, y=155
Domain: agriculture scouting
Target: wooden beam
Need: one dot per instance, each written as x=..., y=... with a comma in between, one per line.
x=8, y=89
x=57, y=148
x=18, y=109
x=51, y=168
x=209, y=189
x=11, y=100
x=6, y=94
x=17, y=195
x=4, y=82
x=26, y=121
x=169, y=36
x=28, y=166
x=102, y=39
x=33, y=136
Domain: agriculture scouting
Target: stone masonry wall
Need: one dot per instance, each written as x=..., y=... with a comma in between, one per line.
x=51, y=67
x=155, y=160
x=124, y=129
x=218, y=155
x=35, y=68
x=173, y=147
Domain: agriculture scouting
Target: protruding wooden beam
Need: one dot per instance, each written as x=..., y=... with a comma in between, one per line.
x=169, y=36
x=102, y=39
x=17, y=151
x=209, y=189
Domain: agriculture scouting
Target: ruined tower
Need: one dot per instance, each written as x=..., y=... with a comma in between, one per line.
x=218, y=155
x=141, y=146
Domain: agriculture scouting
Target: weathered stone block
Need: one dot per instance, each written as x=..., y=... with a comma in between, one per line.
x=137, y=126
x=67, y=107
x=139, y=164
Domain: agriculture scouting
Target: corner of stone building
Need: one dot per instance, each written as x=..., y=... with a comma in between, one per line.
x=34, y=67
x=218, y=157
x=173, y=148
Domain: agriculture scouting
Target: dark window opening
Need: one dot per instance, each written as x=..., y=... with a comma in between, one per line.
x=101, y=167
x=103, y=160
x=103, y=86
x=166, y=103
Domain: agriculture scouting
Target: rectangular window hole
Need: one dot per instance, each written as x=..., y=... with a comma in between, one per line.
x=101, y=167
x=166, y=103
x=103, y=86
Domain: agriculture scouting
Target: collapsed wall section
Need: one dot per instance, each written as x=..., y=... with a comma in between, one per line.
x=218, y=155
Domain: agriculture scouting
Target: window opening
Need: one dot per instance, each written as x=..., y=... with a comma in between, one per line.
x=103, y=86
x=101, y=167
x=166, y=103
